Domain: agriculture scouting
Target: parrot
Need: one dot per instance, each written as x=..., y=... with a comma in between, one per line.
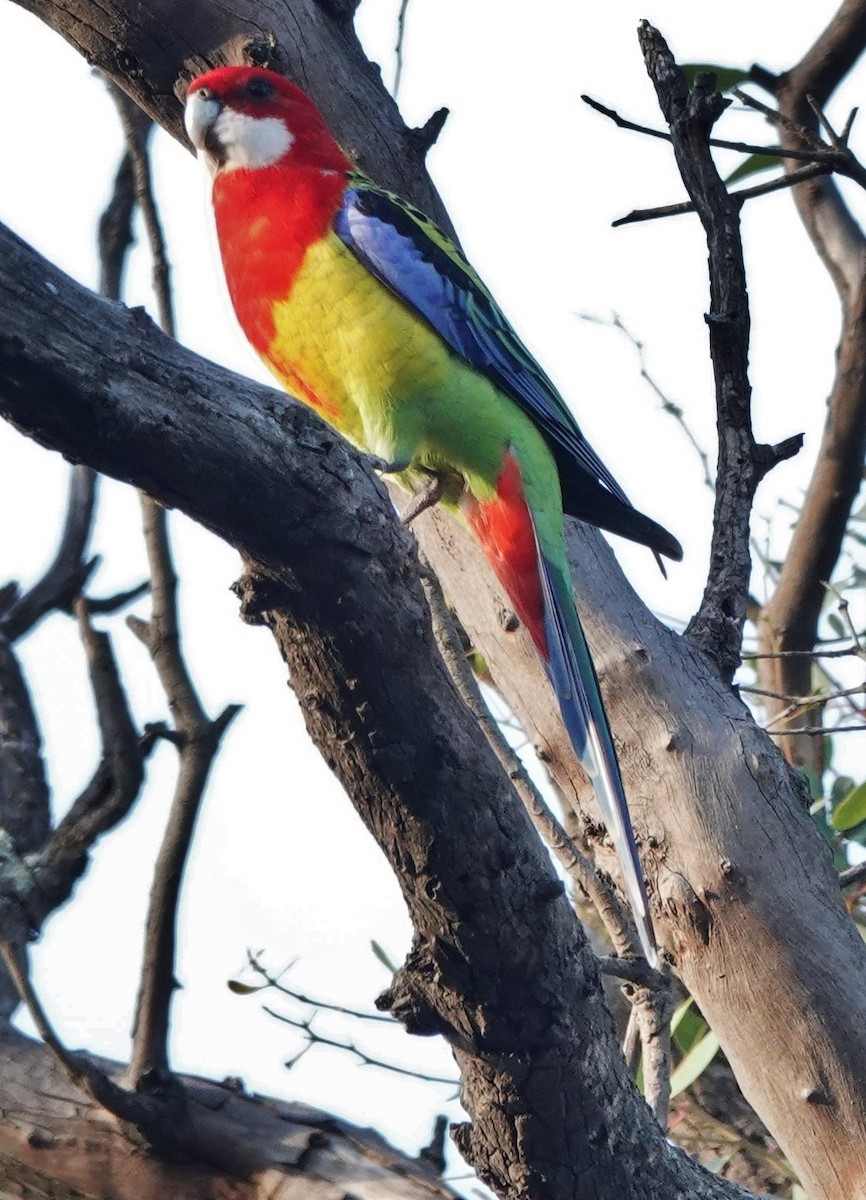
x=369, y=313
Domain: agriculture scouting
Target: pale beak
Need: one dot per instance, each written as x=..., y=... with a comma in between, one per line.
x=201, y=113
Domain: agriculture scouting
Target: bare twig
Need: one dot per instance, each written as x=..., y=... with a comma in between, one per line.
x=738, y=197
x=780, y=152
x=818, y=730
x=69, y=571
x=576, y=865
x=320, y=1039
x=855, y=874
x=273, y=981
x=112, y=604
x=200, y=738
x=811, y=699
x=137, y=129
x=115, y=235
x=668, y=406
x=112, y=790
x=398, y=49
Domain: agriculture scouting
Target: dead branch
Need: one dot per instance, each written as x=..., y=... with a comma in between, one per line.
x=790, y=619
x=69, y=572
x=718, y=624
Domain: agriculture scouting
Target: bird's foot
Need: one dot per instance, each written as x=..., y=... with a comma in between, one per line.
x=428, y=494
x=384, y=467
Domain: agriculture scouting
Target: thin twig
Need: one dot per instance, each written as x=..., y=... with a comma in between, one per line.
x=850, y=652
x=111, y=792
x=804, y=701
x=200, y=738
x=668, y=406
x=81, y=1072
x=398, y=49
x=314, y=1038
x=69, y=571
x=717, y=627
x=739, y=197
x=855, y=874
x=137, y=129
x=272, y=981
x=821, y=730
x=780, y=152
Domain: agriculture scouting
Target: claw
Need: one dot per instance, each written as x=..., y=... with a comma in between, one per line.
x=426, y=496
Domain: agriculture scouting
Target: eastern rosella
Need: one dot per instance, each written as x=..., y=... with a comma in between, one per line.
x=369, y=313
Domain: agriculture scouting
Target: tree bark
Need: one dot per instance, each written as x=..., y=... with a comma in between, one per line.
x=57, y=1145
x=744, y=895
x=499, y=965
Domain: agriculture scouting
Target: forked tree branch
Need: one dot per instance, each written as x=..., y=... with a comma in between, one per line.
x=717, y=627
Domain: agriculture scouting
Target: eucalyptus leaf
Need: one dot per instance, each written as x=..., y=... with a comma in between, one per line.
x=695, y=1063
x=726, y=77
x=851, y=811
x=752, y=165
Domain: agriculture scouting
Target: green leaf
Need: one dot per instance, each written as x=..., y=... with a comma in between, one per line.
x=726, y=77
x=689, y=1031
x=680, y=1012
x=752, y=165
x=850, y=811
x=695, y=1063
x=382, y=956
x=244, y=989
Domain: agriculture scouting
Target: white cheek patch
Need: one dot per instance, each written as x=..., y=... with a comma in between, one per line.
x=251, y=142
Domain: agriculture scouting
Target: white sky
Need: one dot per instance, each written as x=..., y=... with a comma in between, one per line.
x=533, y=179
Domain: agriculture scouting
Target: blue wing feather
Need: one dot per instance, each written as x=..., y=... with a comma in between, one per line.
x=417, y=262
x=406, y=252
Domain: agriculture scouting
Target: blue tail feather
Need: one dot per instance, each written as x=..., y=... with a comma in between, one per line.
x=574, y=680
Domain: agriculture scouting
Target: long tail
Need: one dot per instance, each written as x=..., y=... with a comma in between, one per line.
x=573, y=676
x=540, y=591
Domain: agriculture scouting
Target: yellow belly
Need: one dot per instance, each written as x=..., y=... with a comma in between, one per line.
x=355, y=353
x=375, y=371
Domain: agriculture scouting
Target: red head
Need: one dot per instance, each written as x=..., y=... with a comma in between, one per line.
x=245, y=118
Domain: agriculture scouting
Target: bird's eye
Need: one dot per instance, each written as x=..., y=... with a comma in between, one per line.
x=203, y=92
x=259, y=88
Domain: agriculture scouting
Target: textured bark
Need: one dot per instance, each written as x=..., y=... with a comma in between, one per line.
x=57, y=1145
x=499, y=965
x=743, y=890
